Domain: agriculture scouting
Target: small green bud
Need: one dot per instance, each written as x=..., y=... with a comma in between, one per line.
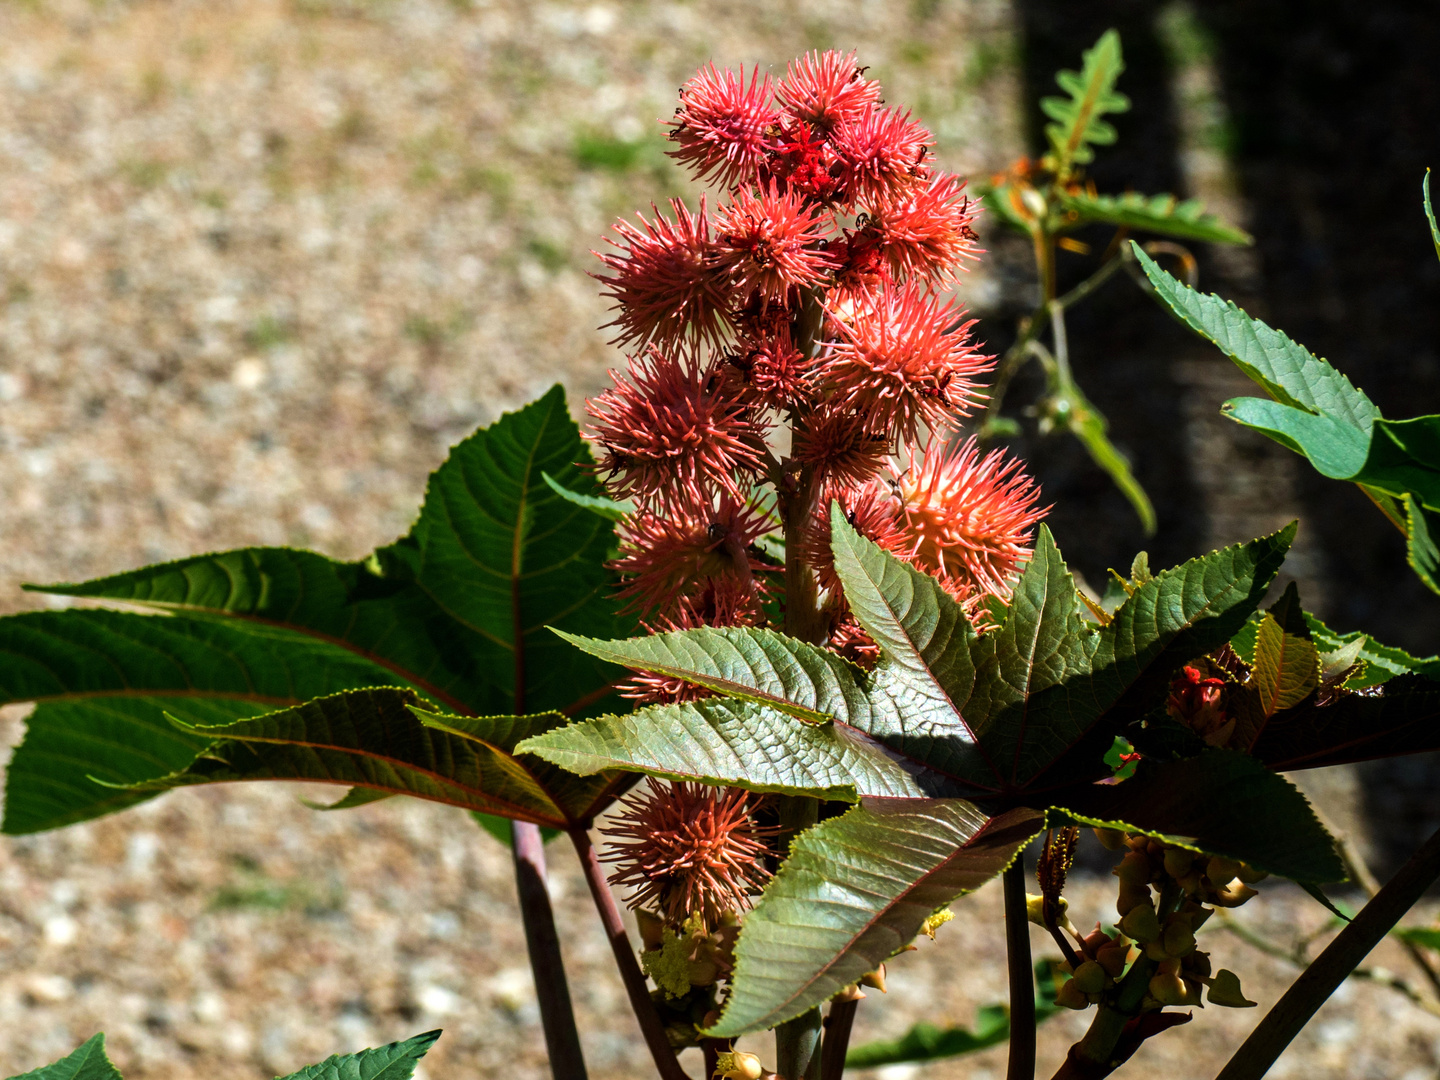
x=738, y=1065
x=1168, y=989
x=1110, y=839
x=1089, y=978
x=1225, y=991
x=1070, y=996
x=1141, y=924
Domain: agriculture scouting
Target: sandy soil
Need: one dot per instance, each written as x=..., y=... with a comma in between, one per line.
x=260, y=264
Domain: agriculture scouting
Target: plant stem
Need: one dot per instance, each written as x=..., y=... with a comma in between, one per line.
x=1360, y=873
x=1317, y=982
x=562, y=1039
x=797, y=1042
x=650, y=1024
x=837, y=1038
x=1061, y=341
x=1022, y=977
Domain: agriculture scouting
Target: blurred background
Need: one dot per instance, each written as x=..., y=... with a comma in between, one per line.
x=261, y=263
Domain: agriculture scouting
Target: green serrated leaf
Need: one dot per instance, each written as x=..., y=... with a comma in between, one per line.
x=86, y=1063
x=1078, y=124
x=355, y=797
x=805, y=681
x=1420, y=549
x=1222, y=802
x=740, y=744
x=395, y=1061
x=373, y=739
x=853, y=892
x=1289, y=372
x=1400, y=717
x=1164, y=214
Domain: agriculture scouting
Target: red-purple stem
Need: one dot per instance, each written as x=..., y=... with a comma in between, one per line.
x=562, y=1039
x=635, y=986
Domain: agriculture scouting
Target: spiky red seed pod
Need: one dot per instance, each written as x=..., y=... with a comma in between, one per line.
x=872, y=511
x=724, y=127
x=850, y=640
x=671, y=433
x=668, y=556
x=824, y=88
x=775, y=371
x=843, y=444
x=881, y=153
x=926, y=232
x=664, y=283
x=688, y=849
x=903, y=357
x=805, y=163
x=771, y=245
x=968, y=519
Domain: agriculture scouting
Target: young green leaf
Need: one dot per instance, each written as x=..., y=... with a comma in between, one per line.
x=1221, y=803
x=1420, y=550
x=1163, y=214
x=1089, y=425
x=853, y=892
x=395, y=1061
x=1286, y=667
x=86, y=1063
x=1077, y=118
x=1400, y=717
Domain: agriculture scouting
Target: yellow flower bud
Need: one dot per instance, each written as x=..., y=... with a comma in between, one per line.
x=1089, y=978
x=1179, y=939
x=738, y=1065
x=1178, y=862
x=1070, y=996
x=1225, y=991
x=1168, y=989
x=1222, y=871
x=1249, y=875
x=1110, y=839
x=1141, y=924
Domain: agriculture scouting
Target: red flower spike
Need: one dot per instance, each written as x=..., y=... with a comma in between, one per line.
x=826, y=88
x=805, y=163
x=903, y=358
x=770, y=245
x=1199, y=704
x=670, y=432
x=881, y=154
x=966, y=519
x=668, y=558
x=842, y=444
x=723, y=128
x=689, y=849
x=871, y=510
x=926, y=232
x=664, y=285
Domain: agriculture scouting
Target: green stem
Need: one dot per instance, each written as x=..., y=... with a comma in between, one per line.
x=1022, y=976
x=1318, y=981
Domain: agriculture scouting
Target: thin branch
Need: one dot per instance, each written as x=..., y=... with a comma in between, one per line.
x=1317, y=982
x=651, y=1025
x=1022, y=977
x=1359, y=872
x=837, y=1038
x=562, y=1039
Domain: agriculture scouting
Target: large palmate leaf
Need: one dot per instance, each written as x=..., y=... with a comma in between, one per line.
x=381, y=741
x=855, y=891
x=457, y=611
x=1162, y=214
x=945, y=711
x=1077, y=118
x=87, y=1062
x=1315, y=411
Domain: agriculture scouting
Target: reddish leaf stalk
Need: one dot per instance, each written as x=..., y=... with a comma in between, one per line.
x=837, y=1039
x=557, y=1017
x=1022, y=978
x=635, y=986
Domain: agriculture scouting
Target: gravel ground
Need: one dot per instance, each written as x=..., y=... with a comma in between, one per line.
x=260, y=264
